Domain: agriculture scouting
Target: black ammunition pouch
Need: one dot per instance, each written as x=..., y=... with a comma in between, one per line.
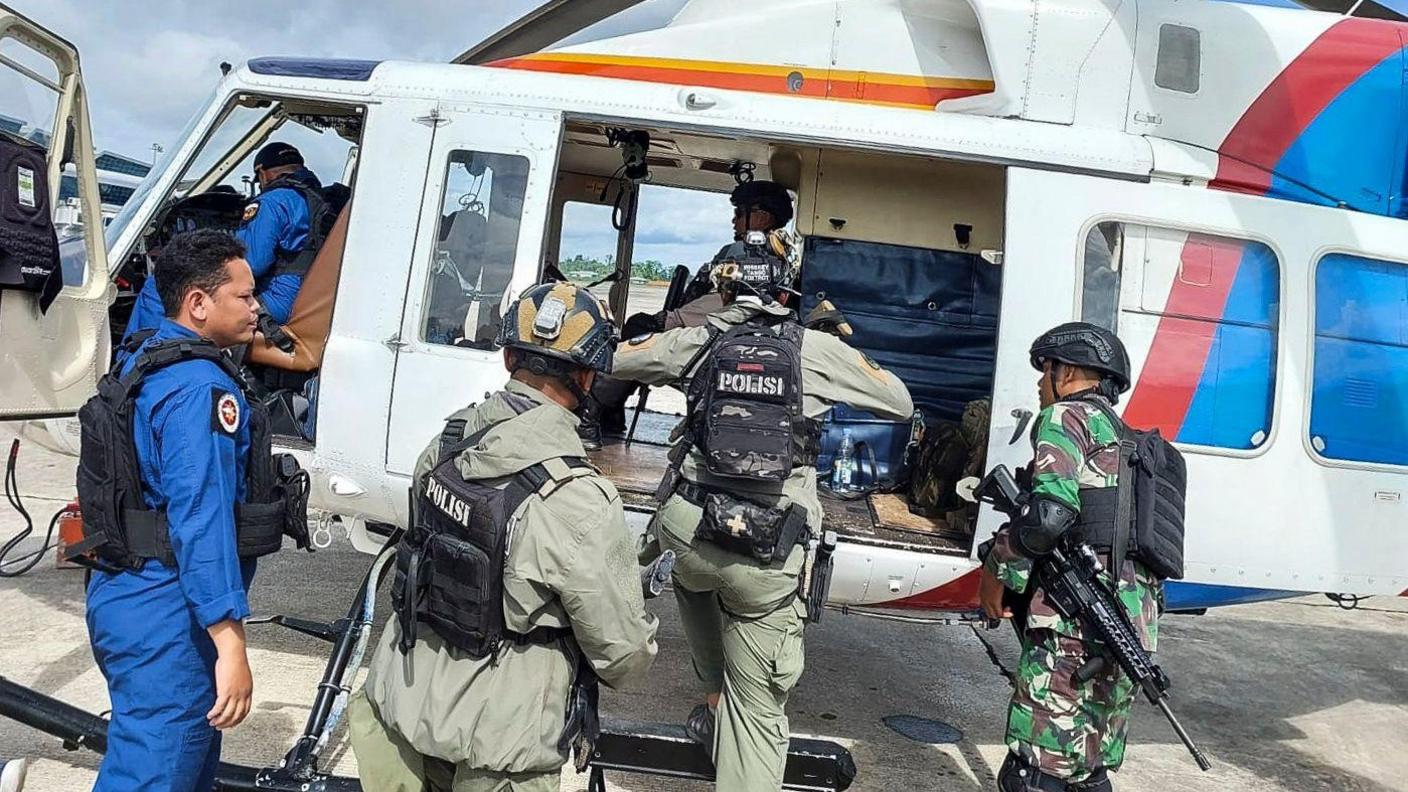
x=450, y=564
x=765, y=533
x=320, y=221
x=119, y=531
x=29, y=245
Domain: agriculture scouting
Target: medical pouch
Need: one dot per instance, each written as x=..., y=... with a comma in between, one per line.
x=764, y=533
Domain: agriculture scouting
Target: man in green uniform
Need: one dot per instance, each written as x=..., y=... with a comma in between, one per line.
x=741, y=613
x=1063, y=733
x=486, y=676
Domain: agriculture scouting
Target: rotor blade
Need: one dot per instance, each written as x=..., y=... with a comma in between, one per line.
x=550, y=22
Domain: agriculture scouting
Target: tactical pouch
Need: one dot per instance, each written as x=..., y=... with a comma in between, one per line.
x=762, y=532
x=293, y=486
x=259, y=528
x=103, y=484
x=458, y=590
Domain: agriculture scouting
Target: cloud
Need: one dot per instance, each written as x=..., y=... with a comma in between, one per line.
x=150, y=66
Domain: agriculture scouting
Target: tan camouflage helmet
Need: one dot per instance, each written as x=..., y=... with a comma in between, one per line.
x=562, y=321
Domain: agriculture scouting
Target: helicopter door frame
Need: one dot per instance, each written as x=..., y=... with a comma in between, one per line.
x=50, y=361
x=433, y=380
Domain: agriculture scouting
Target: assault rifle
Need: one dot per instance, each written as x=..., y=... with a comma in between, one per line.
x=1070, y=576
x=674, y=298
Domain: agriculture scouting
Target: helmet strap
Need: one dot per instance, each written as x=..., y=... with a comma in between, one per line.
x=543, y=366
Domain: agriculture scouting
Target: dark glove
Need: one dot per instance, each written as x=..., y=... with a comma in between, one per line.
x=273, y=332
x=828, y=319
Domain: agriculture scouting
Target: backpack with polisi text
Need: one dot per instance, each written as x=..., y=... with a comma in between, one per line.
x=745, y=404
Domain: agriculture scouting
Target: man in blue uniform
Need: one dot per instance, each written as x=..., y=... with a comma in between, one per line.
x=169, y=638
x=275, y=232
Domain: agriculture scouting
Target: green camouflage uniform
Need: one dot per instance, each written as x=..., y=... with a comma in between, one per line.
x=438, y=719
x=741, y=617
x=1056, y=724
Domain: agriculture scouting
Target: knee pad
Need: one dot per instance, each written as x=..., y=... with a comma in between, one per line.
x=1015, y=776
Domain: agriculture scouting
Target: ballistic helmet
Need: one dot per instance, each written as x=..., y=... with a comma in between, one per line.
x=1086, y=345
x=560, y=322
x=769, y=196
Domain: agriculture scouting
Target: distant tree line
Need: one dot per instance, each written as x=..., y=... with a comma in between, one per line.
x=583, y=268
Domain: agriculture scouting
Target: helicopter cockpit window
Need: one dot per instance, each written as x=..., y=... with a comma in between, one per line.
x=474, y=254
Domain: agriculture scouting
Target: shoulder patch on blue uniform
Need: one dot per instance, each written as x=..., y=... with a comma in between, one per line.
x=224, y=412
x=250, y=210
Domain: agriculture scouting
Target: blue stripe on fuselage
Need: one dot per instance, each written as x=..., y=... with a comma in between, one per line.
x=1179, y=596
x=1235, y=392
x=1352, y=151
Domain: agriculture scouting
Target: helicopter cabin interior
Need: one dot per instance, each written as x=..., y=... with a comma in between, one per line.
x=902, y=245
x=896, y=243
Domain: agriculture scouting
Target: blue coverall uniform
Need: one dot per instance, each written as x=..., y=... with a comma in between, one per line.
x=280, y=223
x=148, y=626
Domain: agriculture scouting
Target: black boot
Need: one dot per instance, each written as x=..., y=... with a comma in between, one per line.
x=589, y=432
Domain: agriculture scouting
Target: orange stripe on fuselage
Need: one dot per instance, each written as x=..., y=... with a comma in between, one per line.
x=901, y=90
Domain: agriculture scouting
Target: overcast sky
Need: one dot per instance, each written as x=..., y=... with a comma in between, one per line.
x=149, y=65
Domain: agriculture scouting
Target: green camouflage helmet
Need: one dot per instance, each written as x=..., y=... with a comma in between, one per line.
x=561, y=321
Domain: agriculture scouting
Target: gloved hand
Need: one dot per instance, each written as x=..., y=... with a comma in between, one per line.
x=828, y=319
x=273, y=332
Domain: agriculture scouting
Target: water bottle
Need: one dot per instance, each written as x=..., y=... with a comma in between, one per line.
x=844, y=463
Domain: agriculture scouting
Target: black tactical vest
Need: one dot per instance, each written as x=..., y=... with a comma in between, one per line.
x=119, y=531
x=1141, y=517
x=745, y=403
x=29, y=246
x=320, y=222
x=450, y=564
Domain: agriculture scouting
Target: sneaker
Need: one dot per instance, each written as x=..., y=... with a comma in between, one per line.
x=699, y=726
x=12, y=774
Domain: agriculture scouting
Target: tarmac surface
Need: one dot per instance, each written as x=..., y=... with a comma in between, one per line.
x=1294, y=695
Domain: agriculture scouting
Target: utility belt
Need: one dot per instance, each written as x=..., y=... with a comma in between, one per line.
x=765, y=533
x=260, y=528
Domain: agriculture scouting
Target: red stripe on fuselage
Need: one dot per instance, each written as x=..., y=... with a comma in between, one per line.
x=1179, y=353
x=1331, y=63
x=960, y=594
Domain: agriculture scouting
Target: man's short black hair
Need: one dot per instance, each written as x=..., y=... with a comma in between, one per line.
x=194, y=260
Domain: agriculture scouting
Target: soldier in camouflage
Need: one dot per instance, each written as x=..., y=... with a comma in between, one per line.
x=1065, y=734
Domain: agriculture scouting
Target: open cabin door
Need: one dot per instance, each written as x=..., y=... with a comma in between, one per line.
x=51, y=359
x=479, y=244
x=1269, y=340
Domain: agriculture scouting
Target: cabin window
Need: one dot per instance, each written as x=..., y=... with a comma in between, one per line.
x=1100, y=296
x=1179, y=66
x=478, y=240
x=1360, y=381
x=1199, y=315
